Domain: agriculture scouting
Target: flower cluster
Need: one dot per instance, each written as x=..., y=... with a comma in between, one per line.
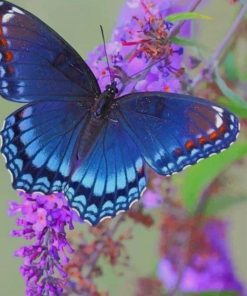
x=140, y=52
x=43, y=219
x=195, y=255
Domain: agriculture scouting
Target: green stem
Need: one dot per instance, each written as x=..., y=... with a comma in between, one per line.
x=175, y=30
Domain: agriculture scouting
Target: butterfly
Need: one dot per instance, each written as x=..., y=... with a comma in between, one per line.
x=93, y=146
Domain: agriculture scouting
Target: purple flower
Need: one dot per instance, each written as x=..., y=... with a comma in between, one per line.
x=151, y=199
x=207, y=271
x=140, y=55
x=43, y=219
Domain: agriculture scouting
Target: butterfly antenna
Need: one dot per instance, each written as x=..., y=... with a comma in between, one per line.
x=108, y=64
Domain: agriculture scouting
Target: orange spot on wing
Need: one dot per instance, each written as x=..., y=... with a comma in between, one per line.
x=202, y=140
x=214, y=136
x=8, y=56
x=178, y=152
x=223, y=129
x=3, y=42
x=10, y=69
x=189, y=145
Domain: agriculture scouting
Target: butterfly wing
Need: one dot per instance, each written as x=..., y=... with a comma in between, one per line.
x=38, y=142
x=36, y=63
x=111, y=178
x=173, y=131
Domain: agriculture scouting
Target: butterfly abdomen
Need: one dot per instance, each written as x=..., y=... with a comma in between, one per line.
x=89, y=137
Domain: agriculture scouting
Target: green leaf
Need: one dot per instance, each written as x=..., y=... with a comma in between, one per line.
x=183, y=41
x=186, y=16
x=217, y=204
x=230, y=94
x=198, y=177
x=234, y=101
x=230, y=66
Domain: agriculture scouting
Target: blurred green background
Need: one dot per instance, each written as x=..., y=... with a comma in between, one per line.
x=78, y=22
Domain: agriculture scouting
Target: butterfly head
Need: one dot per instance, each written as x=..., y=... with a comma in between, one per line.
x=111, y=89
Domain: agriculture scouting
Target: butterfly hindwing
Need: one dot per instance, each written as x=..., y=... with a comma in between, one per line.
x=36, y=63
x=111, y=178
x=174, y=131
x=39, y=141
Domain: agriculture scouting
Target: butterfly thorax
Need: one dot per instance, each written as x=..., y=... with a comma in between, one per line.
x=99, y=113
x=104, y=102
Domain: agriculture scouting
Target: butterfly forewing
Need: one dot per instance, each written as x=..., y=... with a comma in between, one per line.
x=36, y=63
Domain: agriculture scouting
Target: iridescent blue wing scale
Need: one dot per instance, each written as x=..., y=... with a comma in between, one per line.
x=111, y=178
x=36, y=63
x=174, y=131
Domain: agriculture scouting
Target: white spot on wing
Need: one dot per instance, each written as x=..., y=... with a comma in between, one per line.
x=143, y=190
x=218, y=109
x=39, y=192
x=219, y=121
x=210, y=131
x=2, y=71
x=73, y=209
x=15, y=9
x=4, y=83
x=133, y=202
x=20, y=90
x=7, y=17
x=120, y=211
x=104, y=218
x=187, y=166
x=232, y=118
x=88, y=222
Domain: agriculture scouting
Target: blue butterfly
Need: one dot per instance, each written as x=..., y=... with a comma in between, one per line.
x=70, y=137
